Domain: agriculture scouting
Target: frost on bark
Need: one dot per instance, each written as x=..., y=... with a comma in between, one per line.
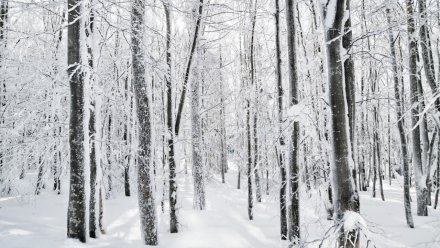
x=76, y=213
x=293, y=219
x=145, y=182
x=280, y=153
x=400, y=126
x=344, y=197
x=94, y=183
x=255, y=126
x=169, y=122
x=196, y=138
x=422, y=209
x=256, y=152
x=249, y=161
x=223, y=137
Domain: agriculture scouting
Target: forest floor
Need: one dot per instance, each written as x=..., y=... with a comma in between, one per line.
x=41, y=221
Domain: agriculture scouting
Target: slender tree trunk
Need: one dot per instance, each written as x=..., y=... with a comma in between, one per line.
x=188, y=67
x=256, y=151
x=248, y=115
x=76, y=213
x=421, y=190
x=293, y=220
x=249, y=162
x=127, y=141
x=145, y=182
x=350, y=88
x=93, y=199
x=171, y=162
x=223, y=136
x=400, y=127
x=196, y=133
x=93, y=182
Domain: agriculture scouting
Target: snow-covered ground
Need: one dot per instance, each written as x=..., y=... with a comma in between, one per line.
x=41, y=221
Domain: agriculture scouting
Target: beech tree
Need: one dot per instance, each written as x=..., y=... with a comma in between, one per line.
x=344, y=197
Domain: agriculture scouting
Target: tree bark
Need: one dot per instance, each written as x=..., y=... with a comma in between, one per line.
x=145, y=193
x=223, y=136
x=280, y=154
x=421, y=190
x=76, y=213
x=344, y=195
x=188, y=68
x=350, y=88
x=196, y=133
x=171, y=162
x=293, y=220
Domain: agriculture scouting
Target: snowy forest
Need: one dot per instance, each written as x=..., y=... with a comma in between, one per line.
x=219, y=123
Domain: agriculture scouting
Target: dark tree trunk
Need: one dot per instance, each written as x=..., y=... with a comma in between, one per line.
x=93, y=183
x=344, y=196
x=293, y=219
x=93, y=199
x=171, y=163
x=188, y=68
x=249, y=162
x=76, y=213
x=350, y=88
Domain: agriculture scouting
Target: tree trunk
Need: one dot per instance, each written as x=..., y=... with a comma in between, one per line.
x=421, y=190
x=196, y=133
x=223, y=136
x=294, y=228
x=188, y=67
x=344, y=196
x=93, y=199
x=171, y=162
x=145, y=193
x=76, y=213
x=256, y=152
x=249, y=162
x=350, y=88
